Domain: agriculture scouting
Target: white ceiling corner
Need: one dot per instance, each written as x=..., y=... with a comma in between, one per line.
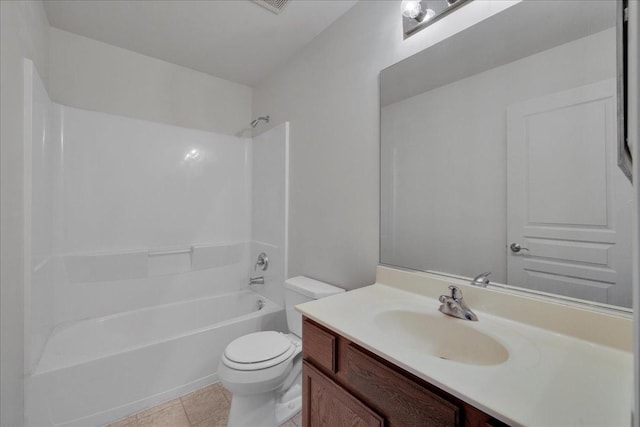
x=235, y=40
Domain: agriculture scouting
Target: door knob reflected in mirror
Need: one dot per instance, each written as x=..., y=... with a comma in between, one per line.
x=516, y=248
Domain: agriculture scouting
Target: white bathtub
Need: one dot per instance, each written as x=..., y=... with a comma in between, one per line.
x=99, y=370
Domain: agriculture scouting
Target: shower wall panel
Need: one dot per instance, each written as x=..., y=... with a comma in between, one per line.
x=149, y=213
x=270, y=205
x=41, y=170
x=131, y=184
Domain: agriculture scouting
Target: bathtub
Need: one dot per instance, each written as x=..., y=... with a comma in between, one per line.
x=98, y=370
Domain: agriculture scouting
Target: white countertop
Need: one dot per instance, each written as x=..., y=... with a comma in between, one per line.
x=548, y=380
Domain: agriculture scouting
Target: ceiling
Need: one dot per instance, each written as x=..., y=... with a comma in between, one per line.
x=235, y=40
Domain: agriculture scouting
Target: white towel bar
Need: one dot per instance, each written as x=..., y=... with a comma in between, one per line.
x=171, y=251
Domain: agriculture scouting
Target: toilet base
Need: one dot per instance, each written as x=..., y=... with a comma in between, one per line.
x=255, y=410
x=289, y=405
x=265, y=409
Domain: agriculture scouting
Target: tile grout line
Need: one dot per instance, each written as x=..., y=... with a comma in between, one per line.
x=185, y=412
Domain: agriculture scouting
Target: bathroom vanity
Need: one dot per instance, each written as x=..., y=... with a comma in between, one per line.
x=346, y=385
x=383, y=355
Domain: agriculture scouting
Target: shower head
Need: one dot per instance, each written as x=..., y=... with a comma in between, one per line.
x=256, y=121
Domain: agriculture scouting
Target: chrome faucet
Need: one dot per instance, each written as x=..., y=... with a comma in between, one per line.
x=455, y=306
x=481, y=279
x=259, y=280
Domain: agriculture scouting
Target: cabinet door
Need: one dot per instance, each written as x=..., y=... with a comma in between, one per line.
x=319, y=345
x=403, y=402
x=327, y=404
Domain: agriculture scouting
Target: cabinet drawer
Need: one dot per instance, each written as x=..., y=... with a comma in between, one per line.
x=400, y=400
x=319, y=345
x=325, y=403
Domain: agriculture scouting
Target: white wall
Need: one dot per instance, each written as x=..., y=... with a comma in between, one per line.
x=329, y=93
x=97, y=76
x=24, y=30
x=466, y=144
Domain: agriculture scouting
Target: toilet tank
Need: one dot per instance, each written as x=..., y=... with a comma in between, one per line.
x=300, y=289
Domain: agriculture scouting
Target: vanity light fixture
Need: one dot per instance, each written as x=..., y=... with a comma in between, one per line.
x=417, y=14
x=413, y=9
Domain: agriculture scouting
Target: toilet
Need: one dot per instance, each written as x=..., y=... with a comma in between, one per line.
x=263, y=369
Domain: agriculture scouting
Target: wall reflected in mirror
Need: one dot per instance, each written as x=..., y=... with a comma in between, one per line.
x=498, y=153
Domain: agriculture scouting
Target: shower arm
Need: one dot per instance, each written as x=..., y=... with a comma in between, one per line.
x=256, y=121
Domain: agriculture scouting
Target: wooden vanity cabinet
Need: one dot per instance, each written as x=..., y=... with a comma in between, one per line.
x=346, y=385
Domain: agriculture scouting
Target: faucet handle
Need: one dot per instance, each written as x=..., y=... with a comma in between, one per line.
x=456, y=293
x=262, y=263
x=481, y=279
x=483, y=275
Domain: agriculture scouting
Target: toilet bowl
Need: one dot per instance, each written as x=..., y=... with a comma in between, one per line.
x=263, y=369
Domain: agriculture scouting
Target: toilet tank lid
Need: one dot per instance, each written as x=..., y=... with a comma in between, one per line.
x=311, y=288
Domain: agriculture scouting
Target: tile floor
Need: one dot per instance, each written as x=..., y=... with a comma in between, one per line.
x=207, y=407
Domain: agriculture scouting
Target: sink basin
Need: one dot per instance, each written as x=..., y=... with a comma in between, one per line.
x=441, y=336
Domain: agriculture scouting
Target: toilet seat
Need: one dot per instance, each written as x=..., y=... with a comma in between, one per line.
x=259, y=377
x=259, y=350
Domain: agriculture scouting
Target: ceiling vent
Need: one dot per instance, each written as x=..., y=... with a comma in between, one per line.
x=274, y=6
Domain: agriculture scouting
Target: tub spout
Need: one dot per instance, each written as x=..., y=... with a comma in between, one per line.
x=256, y=280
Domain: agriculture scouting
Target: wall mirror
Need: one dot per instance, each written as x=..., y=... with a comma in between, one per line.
x=499, y=153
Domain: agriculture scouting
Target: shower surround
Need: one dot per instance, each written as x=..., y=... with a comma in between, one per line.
x=141, y=238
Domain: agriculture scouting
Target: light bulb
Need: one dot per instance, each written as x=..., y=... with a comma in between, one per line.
x=411, y=8
x=430, y=13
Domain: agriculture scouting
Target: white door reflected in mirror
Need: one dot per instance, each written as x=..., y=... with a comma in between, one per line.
x=567, y=200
